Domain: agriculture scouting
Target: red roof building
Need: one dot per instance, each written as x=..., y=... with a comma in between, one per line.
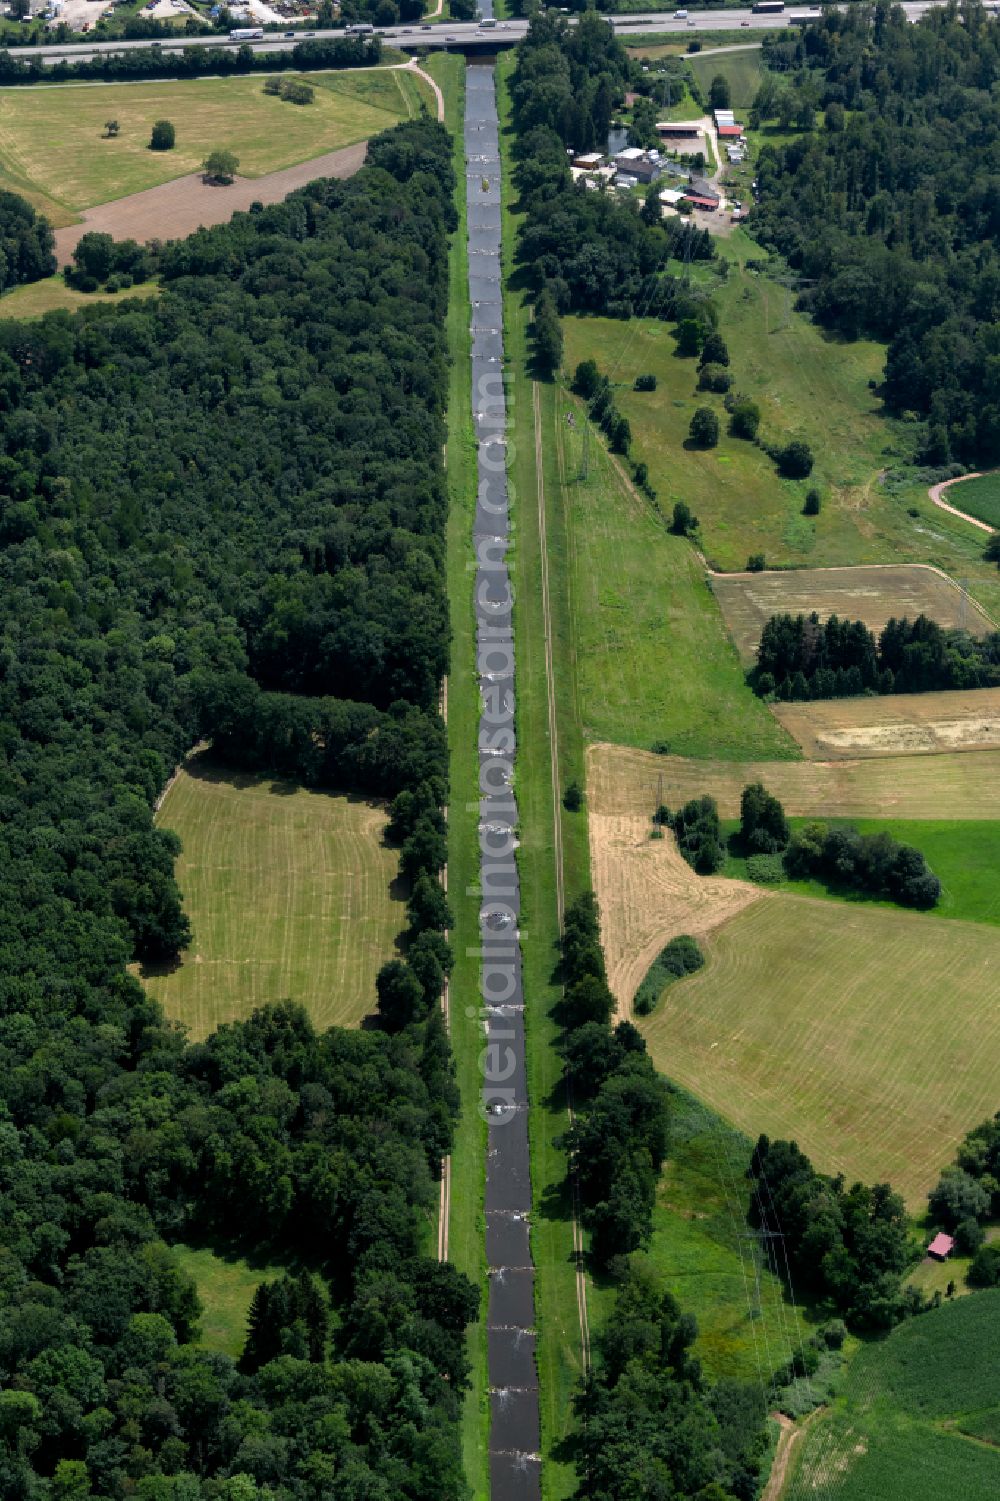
x=697, y=202
x=941, y=1246
x=730, y=132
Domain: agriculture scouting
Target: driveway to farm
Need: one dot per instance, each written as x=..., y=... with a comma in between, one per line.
x=936, y=491
x=177, y=208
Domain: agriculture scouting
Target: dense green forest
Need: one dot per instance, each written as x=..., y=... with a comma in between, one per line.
x=886, y=203
x=802, y=657
x=222, y=513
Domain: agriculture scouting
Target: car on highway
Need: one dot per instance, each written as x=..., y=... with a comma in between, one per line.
x=427, y=28
x=289, y=33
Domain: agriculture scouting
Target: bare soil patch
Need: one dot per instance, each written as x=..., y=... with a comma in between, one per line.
x=899, y=724
x=872, y=594
x=178, y=208
x=648, y=894
x=625, y=782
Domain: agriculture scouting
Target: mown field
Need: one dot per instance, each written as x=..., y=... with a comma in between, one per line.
x=54, y=152
x=892, y=1435
x=226, y=1287
x=622, y=780
x=898, y=724
x=868, y=1035
x=653, y=660
x=808, y=386
x=38, y=297
x=873, y=595
x=291, y=895
x=979, y=496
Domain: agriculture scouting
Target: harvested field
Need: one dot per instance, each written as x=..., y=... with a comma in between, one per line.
x=871, y=594
x=899, y=724
x=290, y=894
x=623, y=781
x=178, y=208
x=648, y=894
x=869, y=1036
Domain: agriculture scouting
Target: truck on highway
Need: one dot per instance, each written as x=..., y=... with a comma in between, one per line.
x=360, y=28
x=768, y=7
x=247, y=34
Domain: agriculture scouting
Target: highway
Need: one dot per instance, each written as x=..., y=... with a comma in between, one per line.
x=451, y=33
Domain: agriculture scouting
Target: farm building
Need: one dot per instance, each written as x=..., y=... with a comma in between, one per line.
x=671, y=197
x=941, y=1247
x=708, y=204
x=730, y=132
x=644, y=166
x=723, y=117
x=676, y=132
x=588, y=161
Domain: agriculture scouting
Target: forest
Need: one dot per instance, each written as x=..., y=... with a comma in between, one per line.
x=222, y=511
x=800, y=657
x=192, y=62
x=885, y=203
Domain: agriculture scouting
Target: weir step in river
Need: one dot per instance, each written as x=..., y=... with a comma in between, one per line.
x=515, y=1438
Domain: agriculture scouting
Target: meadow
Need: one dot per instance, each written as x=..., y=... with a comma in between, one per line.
x=653, y=661
x=963, y=854
x=980, y=496
x=291, y=895
x=824, y=1023
x=873, y=595
x=226, y=1286
x=36, y=298
x=743, y=72
x=706, y=1256
x=960, y=785
x=892, y=1434
x=807, y=386
x=54, y=150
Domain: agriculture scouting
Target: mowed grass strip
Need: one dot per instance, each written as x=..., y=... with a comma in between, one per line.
x=896, y=724
x=653, y=660
x=53, y=149
x=873, y=595
x=956, y=786
x=291, y=895
x=869, y=1036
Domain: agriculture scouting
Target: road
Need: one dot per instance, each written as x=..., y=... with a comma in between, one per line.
x=461, y=33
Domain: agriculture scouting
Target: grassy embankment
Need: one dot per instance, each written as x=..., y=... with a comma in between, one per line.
x=291, y=895
x=467, y=1230
x=919, y=1416
x=55, y=152
x=559, y=1339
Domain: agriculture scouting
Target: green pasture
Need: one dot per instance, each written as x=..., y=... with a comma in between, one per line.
x=226, y=1287
x=743, y=72
x=980, y=496
x=36, y=298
